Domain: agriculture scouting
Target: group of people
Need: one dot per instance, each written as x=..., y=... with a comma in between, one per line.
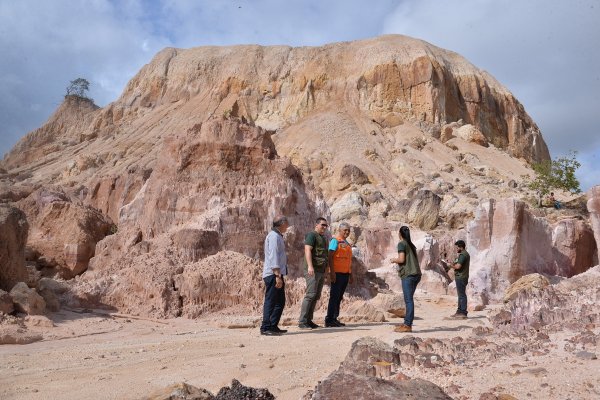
x=336, y=256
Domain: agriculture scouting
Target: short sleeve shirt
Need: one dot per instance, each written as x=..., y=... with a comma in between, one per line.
x=319, y=250
x=411, y=263
x=464, y=259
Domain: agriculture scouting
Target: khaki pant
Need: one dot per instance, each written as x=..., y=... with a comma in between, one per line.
x=314, y=286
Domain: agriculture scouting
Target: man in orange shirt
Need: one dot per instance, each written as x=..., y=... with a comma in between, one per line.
x=340, y=262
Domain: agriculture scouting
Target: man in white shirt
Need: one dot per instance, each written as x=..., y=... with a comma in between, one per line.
x=274, y=270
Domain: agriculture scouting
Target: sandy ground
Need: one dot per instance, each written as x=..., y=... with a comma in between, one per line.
x=88, y=355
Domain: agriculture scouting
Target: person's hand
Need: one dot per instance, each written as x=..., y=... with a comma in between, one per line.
x=332, y=277
x=278, y=282
x=311, y=271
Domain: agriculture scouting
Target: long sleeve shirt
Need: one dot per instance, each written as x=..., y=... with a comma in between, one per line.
x=275, y=256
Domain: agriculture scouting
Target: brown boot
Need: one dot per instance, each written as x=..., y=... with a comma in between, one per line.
x=403, y=328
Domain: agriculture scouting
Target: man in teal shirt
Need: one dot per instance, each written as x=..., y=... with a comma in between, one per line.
x=315, y=264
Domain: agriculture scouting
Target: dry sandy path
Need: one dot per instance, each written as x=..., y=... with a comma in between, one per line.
x=89, y=356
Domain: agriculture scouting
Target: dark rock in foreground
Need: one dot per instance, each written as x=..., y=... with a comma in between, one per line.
x=183, y=391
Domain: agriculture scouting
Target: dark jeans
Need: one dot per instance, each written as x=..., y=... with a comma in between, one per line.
x=338, y=288
x=461, y=290
x=274, y=304
x=409, y=285
x=314, y=286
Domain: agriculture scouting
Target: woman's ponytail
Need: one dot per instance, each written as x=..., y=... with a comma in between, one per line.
x=405, y=234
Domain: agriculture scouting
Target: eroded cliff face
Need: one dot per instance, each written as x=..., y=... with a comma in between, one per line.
x=390, y=79
x=392, y=108
x=206, y=145
x=507, y=241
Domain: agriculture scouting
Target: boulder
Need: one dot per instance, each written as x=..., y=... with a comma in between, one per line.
x=63, y=234
x=346, y=385
x=51, y=290
x=13, y=236
x=180, y=391
x=593, y=206
x=471, y=134
x=574, y=247
x=349, y=205
x=27, y=300
x=571, y=302
x=527, y=282
x=506, y=241
x=356, y=377
x=366, y=351
x=349, y=175
x=6, y=303
x=421, y=210
x=239, y=391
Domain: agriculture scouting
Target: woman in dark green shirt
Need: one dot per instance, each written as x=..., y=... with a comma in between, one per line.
x=410, y=273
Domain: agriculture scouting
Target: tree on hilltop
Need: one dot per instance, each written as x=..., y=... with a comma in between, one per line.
x=558, y=174
x=79, y=88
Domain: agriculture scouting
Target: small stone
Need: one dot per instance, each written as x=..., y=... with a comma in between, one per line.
x=586, y=355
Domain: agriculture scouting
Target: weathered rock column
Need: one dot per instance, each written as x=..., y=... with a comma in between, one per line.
x=593, y=206
x=13, y=236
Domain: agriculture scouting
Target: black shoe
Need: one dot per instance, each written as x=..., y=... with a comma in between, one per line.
x=332, y=324
x=304, y=326
x=340, y=323
x=270, y=333
x=276, y=329
x=313, y=325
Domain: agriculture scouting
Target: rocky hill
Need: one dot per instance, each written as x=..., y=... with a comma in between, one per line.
x=206, y=145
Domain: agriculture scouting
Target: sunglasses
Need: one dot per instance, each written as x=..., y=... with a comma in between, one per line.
x=324, y=225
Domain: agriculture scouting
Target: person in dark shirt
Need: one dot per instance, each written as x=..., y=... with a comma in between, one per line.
x=461, y=277
x=410, y=274
x=315, y=266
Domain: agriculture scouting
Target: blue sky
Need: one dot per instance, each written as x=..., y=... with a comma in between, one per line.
x=544, y=51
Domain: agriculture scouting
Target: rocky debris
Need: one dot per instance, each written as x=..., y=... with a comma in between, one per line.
x=38, y=321
x=180, y=391
x=6, y=303
x=172, y=288
x=527, y=282
x=14, y=331
x=506, y=241
x=27, y=300
x=239, y=391
x=570, y=303
x=184, y=391
x=13, y=236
